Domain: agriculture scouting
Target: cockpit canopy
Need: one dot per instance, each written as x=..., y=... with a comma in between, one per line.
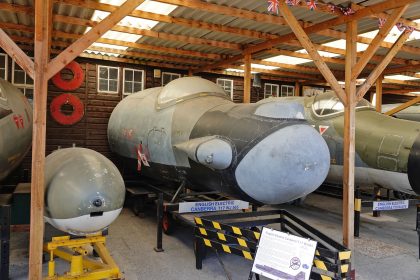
x=328, y=104
x=183, y=88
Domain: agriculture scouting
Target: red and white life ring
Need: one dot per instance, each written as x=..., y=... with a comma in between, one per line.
x=67, y=119
x=72, y=84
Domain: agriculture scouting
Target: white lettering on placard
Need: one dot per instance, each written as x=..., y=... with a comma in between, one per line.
x=210, y=206
x=390, y=205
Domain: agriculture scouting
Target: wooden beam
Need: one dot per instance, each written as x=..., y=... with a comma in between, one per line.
x=381, y=66
x=10, y=47
x=143, y=55
x=403, y=106
x=374, y=45
x=142, y=46
x=400, y=82
x=387, y=89
x=309, y=47
x=399, y=70
x=134, y=61
x=278, y=72
x=150, y=33
x=402, y=92
x=297, y=89
x=247, y=78
x=226, y=10
x=299, y=68
x=43, y=22
x=378, y=104
x=60, y=61
x=349, y=138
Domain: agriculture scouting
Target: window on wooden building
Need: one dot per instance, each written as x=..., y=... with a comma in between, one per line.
x=167, y=77
x=271, y=90
x=287, y=90
x=3, y=66
x=227, y=85
x=22, y=80
x=133, y=81
x=108, y=79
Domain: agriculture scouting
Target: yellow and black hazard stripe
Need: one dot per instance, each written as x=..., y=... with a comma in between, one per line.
x=226, y=238
x=251, y=235
x=226, y=248
x=338, y=269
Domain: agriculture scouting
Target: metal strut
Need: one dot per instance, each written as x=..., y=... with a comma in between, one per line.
x=178, y=191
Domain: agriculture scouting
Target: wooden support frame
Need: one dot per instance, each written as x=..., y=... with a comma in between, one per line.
x=349, y=138
x=379, y=38
x=43, y=22
x=247, y=78
x=378, y=103
x=366, y=11
x=374, y=75
x=16, y=53
x=310, y=48
x=403, y=106
x=71, y=52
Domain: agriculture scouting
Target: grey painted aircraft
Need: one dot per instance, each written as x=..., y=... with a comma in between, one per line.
x=15, y=127
x=84, y=191
x=387, y=149
x=191, y=131
x=411, y=113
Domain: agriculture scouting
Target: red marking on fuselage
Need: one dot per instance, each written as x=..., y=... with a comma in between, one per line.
x=18, y=119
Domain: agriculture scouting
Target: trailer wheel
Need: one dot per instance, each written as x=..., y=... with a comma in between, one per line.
x=168, y=223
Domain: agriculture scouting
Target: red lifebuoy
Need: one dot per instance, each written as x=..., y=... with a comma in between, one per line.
x=72, y=84
x=67, y=119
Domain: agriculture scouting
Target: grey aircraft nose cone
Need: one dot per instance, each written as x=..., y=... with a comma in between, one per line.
x=289, y=163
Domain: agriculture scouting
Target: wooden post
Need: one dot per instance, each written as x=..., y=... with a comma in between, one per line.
x=43, y=21
x=247, y=78
x=297, y=89
x=349, y=137
x=378, y=104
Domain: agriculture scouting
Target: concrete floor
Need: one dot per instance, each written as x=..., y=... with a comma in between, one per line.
x=387, y=248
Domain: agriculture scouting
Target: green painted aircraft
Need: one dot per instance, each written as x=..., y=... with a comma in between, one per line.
x=387, y=149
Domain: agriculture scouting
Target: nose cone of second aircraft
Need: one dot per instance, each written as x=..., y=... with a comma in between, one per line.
x=287, y=164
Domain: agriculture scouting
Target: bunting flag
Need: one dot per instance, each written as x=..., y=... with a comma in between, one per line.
x=292, y=2
x=311, y=4
x=273, y=6
x=401, y=27
x=141, y=158
x=381, y=22
x=347, y=11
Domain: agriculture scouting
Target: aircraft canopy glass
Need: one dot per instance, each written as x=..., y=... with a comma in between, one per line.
x=184, y=87
x=328, y=104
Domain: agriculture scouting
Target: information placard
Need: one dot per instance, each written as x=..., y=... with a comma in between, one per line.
x=390, y=205
x=283, y=256
x=210, y=206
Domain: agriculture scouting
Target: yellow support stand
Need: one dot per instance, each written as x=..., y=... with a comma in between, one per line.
x=82, y=266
